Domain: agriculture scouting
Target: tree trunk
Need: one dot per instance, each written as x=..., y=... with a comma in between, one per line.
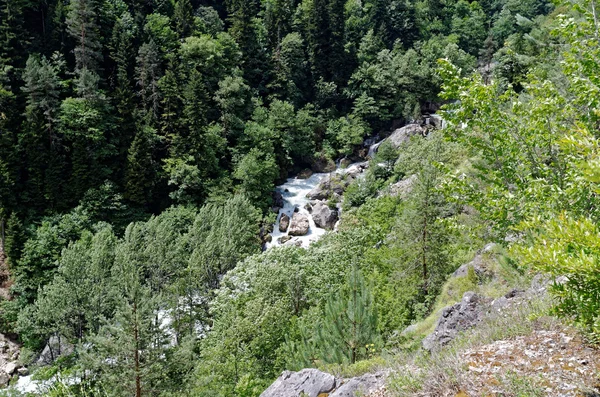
x=136, y=354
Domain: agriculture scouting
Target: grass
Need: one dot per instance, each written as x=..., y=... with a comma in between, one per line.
x=444, y=373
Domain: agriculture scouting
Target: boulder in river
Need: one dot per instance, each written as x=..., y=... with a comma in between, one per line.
x=284, y=222
x=324, y=216
x=284, y=239
x=299, y=225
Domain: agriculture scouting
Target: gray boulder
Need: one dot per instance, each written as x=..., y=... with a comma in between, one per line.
x=23, y=371
x=310, y=381
x=4, y=378
x=10, y=368
x=320, y=192
x=284, y=223
x=329, y=186
x=284, y=239
x=403, y=188
x=402, y=135
x=57, y=346
x=299, y=225
x=361, y=385
x=398, y=137
x=454, y=319
x=324, y=216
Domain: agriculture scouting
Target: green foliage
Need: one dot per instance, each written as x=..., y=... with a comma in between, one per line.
x=348, y=329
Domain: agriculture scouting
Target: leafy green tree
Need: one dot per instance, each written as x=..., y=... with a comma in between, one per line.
x=257, y=172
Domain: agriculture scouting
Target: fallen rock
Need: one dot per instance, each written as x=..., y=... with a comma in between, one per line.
x=324, y=216
x=310, y=382
x=361, y=385
x=299, y=225
x=456, y=318
x=284, y=223
x=23, y=371
x=57, y=346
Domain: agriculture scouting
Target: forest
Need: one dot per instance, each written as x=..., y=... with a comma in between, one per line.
x=141, y=142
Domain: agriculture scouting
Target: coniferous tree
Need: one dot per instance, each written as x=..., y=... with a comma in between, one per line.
x=348, y=328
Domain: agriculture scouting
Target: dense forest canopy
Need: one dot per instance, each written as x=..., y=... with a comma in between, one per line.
x=140, y=143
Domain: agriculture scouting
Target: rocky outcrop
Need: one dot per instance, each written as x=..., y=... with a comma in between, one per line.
x=324, y=216
x=299, y=225
x=403, y=187
x=361, y=385
x=456, y=318
x=398, y=137
x=402, y=135
x=310, y=382
x=478, y=263
x=284, y=222
x=315, y=383
x=57, y=346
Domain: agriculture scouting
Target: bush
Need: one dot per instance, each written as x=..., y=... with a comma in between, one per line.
x=569, y=248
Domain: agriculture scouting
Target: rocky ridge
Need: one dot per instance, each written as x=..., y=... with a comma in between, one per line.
x=311, y=382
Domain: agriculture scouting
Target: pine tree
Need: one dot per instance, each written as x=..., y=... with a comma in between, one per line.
x=128, y=352
x=141, y=167
x=148, y=73
x=83, y=27
x=183, y=17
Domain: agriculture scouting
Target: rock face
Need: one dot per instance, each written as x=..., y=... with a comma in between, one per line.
x=299, y=225
x=361, y=385
x=324, y=216
x=454, y=319
x=284, y=222
x=314, y=383
x=311, y=382
x=56, y=347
